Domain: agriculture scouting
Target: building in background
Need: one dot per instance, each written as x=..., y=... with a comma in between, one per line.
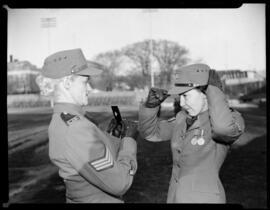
x=21, y=77
x=238, y=83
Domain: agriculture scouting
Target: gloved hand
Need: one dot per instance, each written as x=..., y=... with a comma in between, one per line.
x=116, y=129
x=155, y=97
x=214, y=79
x=130, y=129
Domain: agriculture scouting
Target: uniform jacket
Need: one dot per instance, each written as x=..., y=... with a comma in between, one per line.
x=95, y=167
x=195, y=173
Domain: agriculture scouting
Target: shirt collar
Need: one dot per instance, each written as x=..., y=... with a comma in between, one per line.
x=68, y=108
x=202, y=118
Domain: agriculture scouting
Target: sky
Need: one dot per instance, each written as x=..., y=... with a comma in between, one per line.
x=222, y=38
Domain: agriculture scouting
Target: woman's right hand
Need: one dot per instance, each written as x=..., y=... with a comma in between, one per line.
x=155, y=97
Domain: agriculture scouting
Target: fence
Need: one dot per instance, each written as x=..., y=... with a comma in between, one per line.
x=94, y=99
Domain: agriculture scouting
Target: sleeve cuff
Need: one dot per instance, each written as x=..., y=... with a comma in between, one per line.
x=129, y=144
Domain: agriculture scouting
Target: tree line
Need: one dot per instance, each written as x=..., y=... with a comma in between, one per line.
x=136, y=60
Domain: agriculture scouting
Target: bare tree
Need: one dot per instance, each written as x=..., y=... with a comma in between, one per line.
x=111, y=61
x=170, y=56
x=139, y=53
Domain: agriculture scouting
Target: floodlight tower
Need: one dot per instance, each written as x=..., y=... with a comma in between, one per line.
x=48, y=23
x=150, y=11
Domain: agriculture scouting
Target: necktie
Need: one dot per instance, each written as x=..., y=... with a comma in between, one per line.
x=190, y=121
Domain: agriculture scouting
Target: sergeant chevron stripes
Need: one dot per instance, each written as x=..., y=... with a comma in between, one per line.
x=103, y=163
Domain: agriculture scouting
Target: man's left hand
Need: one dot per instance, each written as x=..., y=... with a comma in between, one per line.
x=115, y=128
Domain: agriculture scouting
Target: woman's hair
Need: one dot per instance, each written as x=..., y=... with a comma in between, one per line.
x=49, y=86
x=176, y=106
x=202, y=88
x=46, y=85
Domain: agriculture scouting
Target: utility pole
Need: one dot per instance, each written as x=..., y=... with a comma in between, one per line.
x=150, y=11
x=151, y=53
x=48, y=23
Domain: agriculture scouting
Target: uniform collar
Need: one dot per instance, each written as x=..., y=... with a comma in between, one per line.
x=202, y=118
x=68, y=108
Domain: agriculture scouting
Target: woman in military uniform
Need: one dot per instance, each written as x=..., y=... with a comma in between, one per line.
x=200, y=134
x=95, y=167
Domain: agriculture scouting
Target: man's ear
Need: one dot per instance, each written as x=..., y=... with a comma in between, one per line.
x=204, y=95
x=66, y=83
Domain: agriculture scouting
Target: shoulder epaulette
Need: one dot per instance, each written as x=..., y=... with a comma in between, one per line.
x=69, y=118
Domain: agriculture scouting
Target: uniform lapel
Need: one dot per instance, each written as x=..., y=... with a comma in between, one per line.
x=195, y=128
x=179, y=130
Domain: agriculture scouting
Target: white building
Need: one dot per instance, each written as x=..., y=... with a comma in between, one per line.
x=237, y=77
x=21, y=78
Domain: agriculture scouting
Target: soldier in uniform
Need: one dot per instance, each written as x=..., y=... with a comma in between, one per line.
x=200, y=134
x=95, y=166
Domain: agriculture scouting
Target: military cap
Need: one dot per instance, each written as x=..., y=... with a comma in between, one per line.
x=189, y=77
x=69, y=62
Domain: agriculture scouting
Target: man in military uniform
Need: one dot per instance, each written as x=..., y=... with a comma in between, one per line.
x=95, y=166
x=200, y=134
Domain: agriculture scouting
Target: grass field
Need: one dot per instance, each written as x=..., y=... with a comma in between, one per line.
x=243, y=173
